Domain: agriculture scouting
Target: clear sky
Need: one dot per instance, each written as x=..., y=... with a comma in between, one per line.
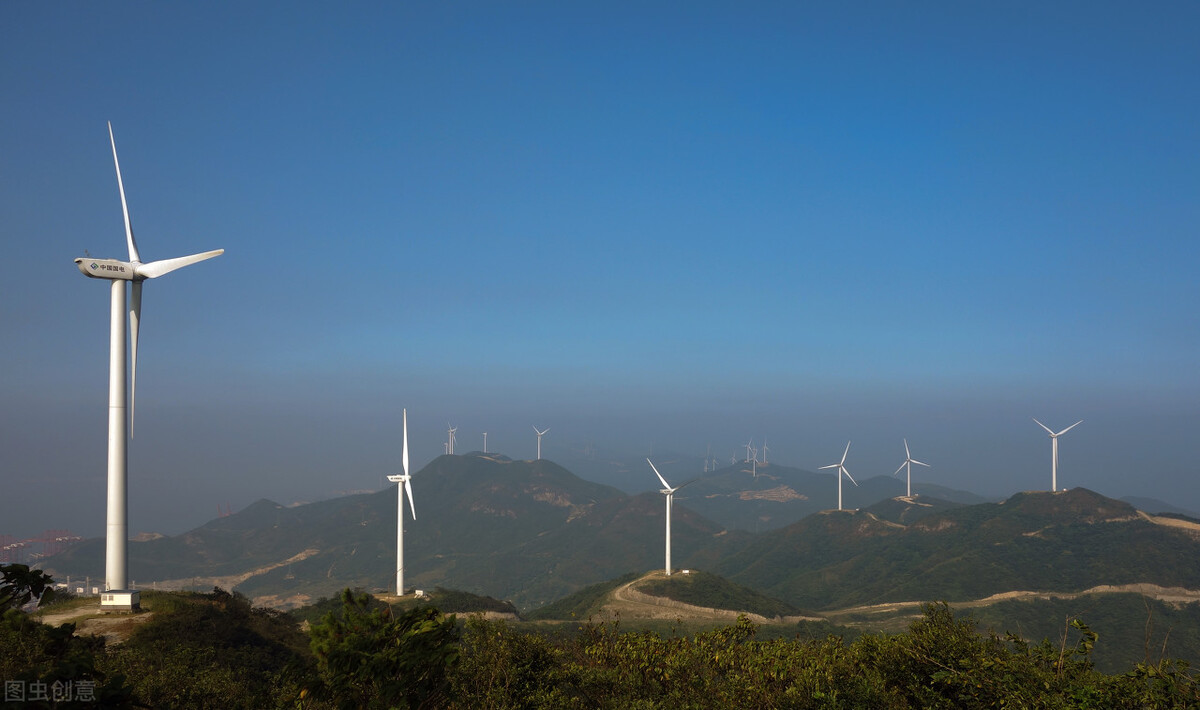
x=643, y=225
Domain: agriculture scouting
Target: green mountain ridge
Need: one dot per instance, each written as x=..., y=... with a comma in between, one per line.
x=1065, y=542
x=531, y=532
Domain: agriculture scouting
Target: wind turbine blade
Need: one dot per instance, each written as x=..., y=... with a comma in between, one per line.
x=408, y=491
x=920, y=463
x=1064, y=431
x=847, y=451
x=901, y=468
x=135, y=321
x=907, y=453
x=832, y=465
x=656, y=473
x=133, y=252
x=157, y=268
x=404, y=451
x=849, y=476
x=681, y=485
x=1048, y=429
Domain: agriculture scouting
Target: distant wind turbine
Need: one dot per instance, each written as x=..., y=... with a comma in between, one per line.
x=118, y=272
x=450, y=438
x=1054, y=451
x=540, y=434
x=841, y=467
x=669, y=492
x=908, y=462
x=764, y=451
x=404, y=487
x=485, y=442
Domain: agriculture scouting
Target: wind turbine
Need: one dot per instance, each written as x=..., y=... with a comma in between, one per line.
x=401, y=490
x=118, y=272
x=908, y=462
x=1054, y=451
x=450, y=438
x=669, y=492
x=841, y=467
x=540, y=434
x=485, y=442
x=764, y=450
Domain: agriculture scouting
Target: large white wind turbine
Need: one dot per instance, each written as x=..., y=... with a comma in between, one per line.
x=403, y=487
x=841, y=467
x=669, y=492
x=1054, y=451
x=118, y=272
x=908, y=462
x=540, y=434
x=450, y=438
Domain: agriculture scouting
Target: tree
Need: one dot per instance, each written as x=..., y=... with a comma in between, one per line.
x=369, y=658
x=20, y=585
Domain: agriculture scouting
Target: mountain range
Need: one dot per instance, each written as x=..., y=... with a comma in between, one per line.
x=532, y=532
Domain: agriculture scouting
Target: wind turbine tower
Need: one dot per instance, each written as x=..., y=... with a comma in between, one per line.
x=669, y=492
x=485, y=442
x=404, y=487
x=841, y=468
x=117, y=595
x=1054, y=451
x=908, y=462
x=540, y=434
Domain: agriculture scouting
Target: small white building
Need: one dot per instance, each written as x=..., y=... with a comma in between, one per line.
x=118, y=600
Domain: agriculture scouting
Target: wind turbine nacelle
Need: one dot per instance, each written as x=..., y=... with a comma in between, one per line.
x=110, y=269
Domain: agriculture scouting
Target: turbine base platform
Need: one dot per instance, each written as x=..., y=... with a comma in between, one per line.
x=120, y=600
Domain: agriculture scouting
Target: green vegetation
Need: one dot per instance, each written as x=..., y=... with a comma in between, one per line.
x=1050, y=542
x=215, y=650
x=1134, y=629
x=707, y=590
x=212, y=650
x=583, y=603
x=455, y=601
x=317, y=610
x=368, y=658
x=449, y=601
x=34, y=655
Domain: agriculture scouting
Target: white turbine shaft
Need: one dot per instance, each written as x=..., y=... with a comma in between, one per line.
x=116, y=545
x=667, y=563
x=485, y=442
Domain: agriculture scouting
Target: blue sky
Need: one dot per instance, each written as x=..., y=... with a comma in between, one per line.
x=643, y=225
